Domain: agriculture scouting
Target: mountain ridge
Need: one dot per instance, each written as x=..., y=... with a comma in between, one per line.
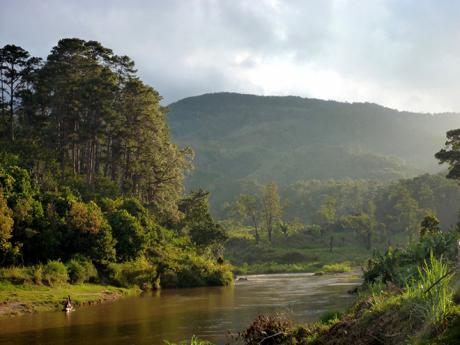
x=242, y=137
x=250, y=95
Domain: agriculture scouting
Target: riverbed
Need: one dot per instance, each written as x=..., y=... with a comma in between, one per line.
x=174, y=315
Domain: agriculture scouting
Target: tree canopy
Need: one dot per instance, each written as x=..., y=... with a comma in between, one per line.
x=85, y=111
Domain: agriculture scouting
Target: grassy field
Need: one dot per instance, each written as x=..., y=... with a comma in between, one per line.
x=30, y=298
x=293, y=254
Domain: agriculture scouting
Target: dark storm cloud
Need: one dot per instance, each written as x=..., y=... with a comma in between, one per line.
x=403, y=54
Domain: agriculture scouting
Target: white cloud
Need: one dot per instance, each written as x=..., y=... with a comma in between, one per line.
x=403, y=54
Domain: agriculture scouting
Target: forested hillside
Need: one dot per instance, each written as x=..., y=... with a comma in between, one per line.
x=90, y=178
x=239, y=137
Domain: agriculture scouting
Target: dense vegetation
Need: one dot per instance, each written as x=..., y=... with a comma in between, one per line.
x=316, y=222
x=91, y=185
x=240, y=138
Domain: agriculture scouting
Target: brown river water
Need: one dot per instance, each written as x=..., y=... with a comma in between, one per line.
x=178, y=314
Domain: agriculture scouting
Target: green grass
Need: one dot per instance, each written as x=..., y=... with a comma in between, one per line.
x=293, y=255
x=335, y=268
x=432, y=290
x=27, y=298
x=273, y=267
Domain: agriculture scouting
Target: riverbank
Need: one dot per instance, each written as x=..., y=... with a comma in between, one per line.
x=22, y=299
x=409, y=296
x=317, y=268
x=16, y=300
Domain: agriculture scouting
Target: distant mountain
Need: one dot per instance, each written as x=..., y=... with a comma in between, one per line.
x=240, y=137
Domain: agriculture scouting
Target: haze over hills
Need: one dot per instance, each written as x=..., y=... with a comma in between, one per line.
x=239, y=137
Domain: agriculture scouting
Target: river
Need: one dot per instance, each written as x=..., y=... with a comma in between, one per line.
x=177, y=314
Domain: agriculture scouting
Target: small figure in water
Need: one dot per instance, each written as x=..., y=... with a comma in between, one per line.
x=68, y=304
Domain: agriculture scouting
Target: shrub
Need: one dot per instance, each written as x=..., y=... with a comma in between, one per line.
x=220, y=277
x=138, y=272
x=431, y=290
x=16, y=275
x=337, y=268
x=55, y=273
x=169, y=279
x=81, y=270
x=268, y=329
x=194, y=271
x=130, y=236
x=400, y=266
x=330, y=317
x=37, y=273
x=113, y=274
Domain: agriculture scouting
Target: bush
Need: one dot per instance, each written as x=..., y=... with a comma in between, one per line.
x=221, y=277
x=16, y=275
x=169, y=279
x=194, y=271
x=81, y=270
x=139, y=272
x=336, y=268
x=37, y=273
x=400, y=266
x=330, y=317
x=130, y=236
x=55, y=273
x=268, y=329
x=432, y=291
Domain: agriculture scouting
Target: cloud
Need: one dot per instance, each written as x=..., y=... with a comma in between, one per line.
x=404, y=54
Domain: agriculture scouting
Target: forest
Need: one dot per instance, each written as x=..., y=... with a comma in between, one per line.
x=91, y=184
x=90, y=171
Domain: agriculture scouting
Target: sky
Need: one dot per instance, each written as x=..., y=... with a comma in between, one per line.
x=404, y=54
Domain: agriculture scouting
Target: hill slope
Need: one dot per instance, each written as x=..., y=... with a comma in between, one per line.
x=240, y=137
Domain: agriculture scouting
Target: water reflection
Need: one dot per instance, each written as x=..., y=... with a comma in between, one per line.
x=177, y=314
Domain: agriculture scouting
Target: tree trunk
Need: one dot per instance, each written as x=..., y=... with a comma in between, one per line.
x=12, y=110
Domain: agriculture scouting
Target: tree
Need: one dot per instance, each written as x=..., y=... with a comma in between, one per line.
x=285, y=228
x=103, y=126
x=326, y=214
x=362, y=225
x=429, y=225
x=271, y=207
x=198, y=223
x=16, y=66
x=88, y=233
x=76, y=89
x=451, y=154
x=6, y=229
x=130, y=236
x=151, y=167
x=249, y=207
